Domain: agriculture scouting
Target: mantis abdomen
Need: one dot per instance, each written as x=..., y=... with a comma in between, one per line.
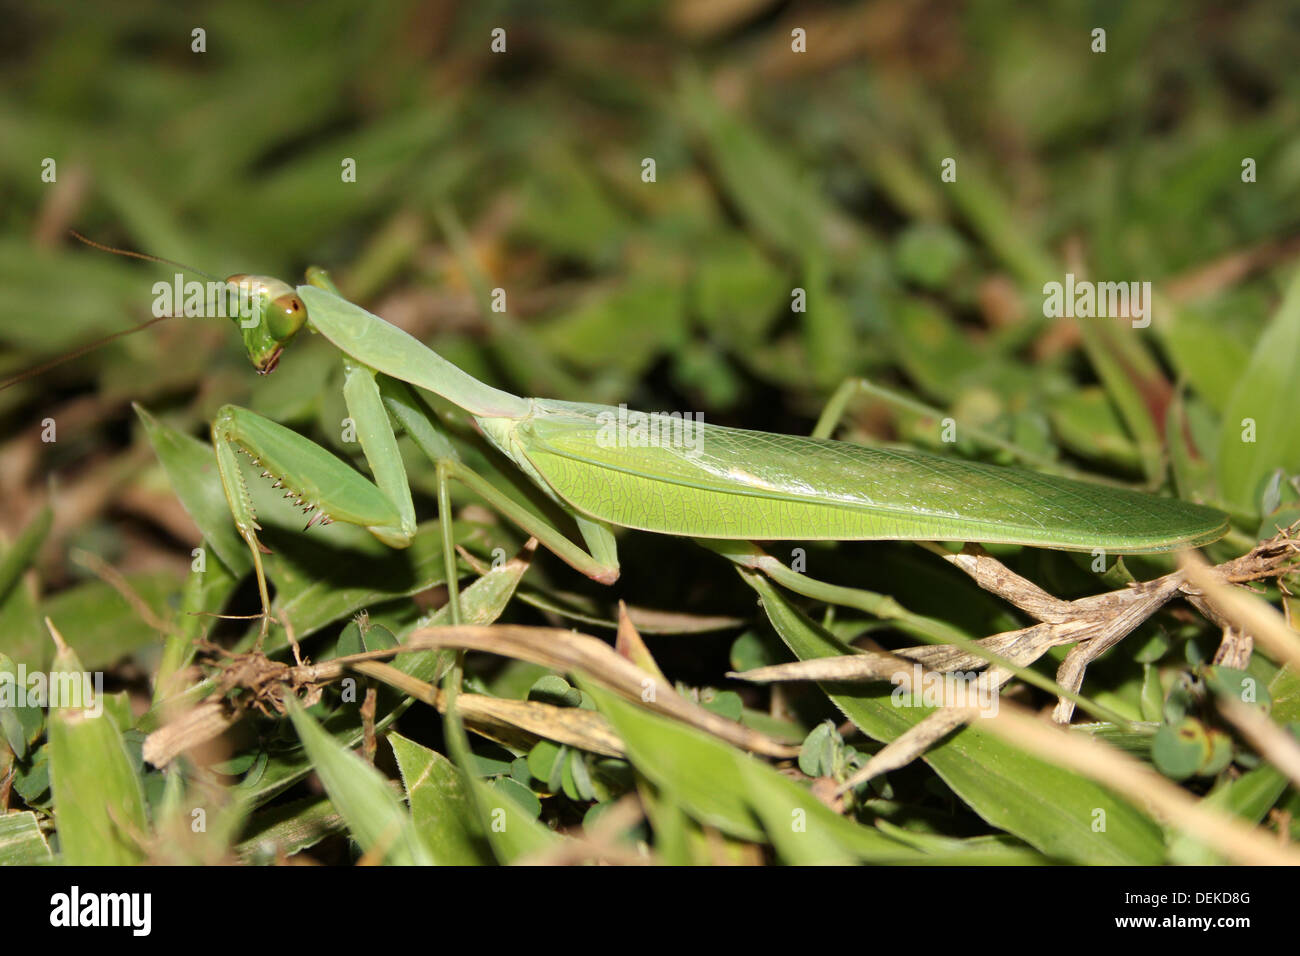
x=732, y=483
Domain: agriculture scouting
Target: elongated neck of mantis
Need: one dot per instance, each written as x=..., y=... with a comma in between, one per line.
x=456, y=385
x=388, y=349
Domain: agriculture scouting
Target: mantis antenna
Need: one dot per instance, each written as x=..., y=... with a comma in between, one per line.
x=99, y=343
x=80, y=350
x=141, y=255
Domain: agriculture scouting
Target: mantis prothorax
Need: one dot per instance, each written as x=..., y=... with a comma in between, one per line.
x=729, y=485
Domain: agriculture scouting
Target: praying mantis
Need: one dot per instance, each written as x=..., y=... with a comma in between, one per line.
x=722, y=485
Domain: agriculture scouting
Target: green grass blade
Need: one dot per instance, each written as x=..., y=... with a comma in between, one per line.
x=723, y=787
x=1259, y=432
x=375, y=818
x=1049, y=808
x=192, y=470
x=98, y=799
x=21, y=841
x=441, y=805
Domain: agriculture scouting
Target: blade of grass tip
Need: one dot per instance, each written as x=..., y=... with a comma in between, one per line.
x=99, y=810
x=441, y=804
x=512, y=833
x=374, y=816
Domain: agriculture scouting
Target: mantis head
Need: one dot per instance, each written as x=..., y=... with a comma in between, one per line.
x=270, y=314
x=268, y=311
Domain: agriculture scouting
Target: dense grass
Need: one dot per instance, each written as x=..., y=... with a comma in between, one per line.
x=525, y=171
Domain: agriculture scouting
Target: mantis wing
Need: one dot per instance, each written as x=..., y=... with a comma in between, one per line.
x=719, y=482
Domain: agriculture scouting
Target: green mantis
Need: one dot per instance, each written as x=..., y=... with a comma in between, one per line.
x=706, y=482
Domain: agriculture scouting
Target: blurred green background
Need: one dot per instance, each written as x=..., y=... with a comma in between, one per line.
x=773, y=170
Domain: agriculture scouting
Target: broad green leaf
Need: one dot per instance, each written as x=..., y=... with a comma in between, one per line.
x=511, y=829
x=1132, y=379
x=1086, y=422
x=1260, y=432
x=1207, y=356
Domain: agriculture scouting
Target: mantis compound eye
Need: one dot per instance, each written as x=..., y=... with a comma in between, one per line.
x=285, y=316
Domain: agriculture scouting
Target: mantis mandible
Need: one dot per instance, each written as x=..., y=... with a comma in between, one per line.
x=730, y=485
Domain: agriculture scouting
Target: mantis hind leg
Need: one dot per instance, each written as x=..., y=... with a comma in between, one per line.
x=837, y=405
x=600, y=563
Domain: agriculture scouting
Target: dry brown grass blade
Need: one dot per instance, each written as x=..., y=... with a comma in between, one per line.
x=884, y=666
x=1208, y=278
x=910, y=744
x=994, y=576
x=654, y=621
x=1251, y=614
x=1235, y=649
x=700, y=19
x=1272, y=742
x=1140, y=784
x=569, y=651
x=585, y=729
x=629, y=643
x=507, y=721
x=191, y=729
